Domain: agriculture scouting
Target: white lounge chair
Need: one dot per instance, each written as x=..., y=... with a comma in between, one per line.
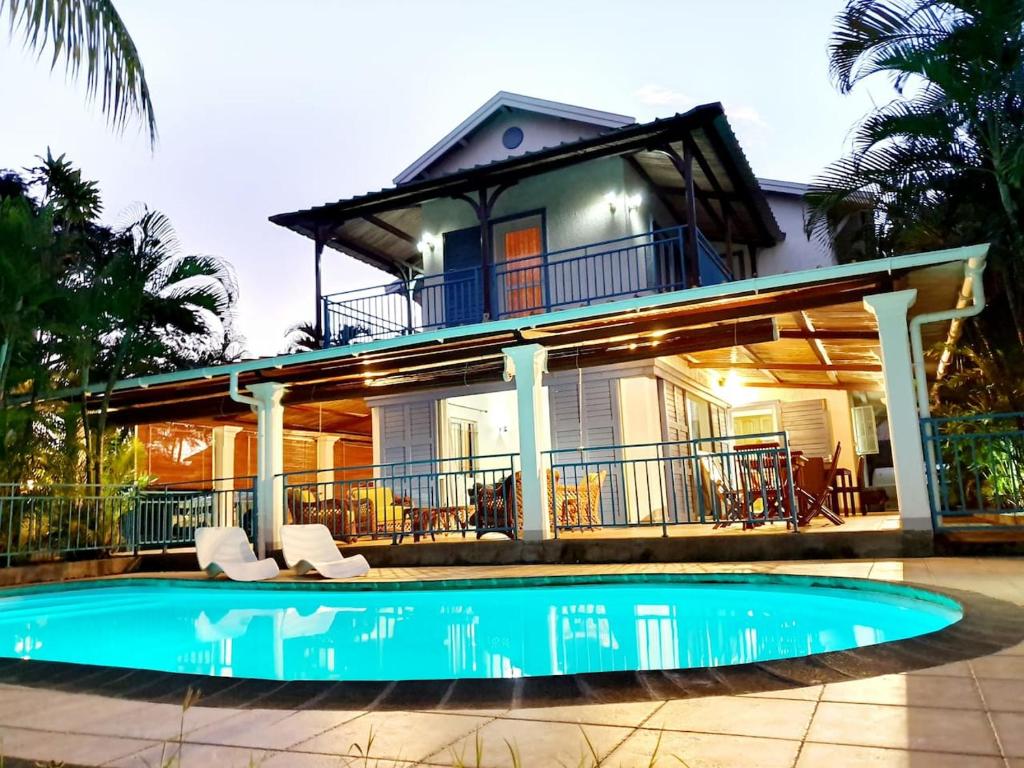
x=311, y=548
x=226, y=550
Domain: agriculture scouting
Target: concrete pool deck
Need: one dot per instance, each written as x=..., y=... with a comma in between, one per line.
x=965, y=713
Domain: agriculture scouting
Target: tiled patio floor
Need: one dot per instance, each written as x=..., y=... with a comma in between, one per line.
x=962, y=714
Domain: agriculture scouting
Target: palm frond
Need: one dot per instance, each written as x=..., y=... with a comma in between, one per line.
x=89, y=34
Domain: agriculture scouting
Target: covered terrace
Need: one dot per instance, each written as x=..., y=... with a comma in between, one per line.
x=845, y=328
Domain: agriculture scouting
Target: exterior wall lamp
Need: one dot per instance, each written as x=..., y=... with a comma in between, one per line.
x=427, y=243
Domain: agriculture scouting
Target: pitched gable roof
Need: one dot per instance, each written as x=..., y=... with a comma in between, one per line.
x=505, y=100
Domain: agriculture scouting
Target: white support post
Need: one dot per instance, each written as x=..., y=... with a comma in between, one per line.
x=324, y=463
x=527, y=364
x=270, y=464
x=890, y=309
x=224, y=474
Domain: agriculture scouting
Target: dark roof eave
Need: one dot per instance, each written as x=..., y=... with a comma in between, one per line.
x=639, y=137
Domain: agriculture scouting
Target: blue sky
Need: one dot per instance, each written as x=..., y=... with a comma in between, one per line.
x=265, y=107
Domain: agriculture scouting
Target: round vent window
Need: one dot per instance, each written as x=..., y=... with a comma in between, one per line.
x=512, y=137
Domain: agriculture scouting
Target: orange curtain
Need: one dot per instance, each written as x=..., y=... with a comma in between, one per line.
x=524, y=280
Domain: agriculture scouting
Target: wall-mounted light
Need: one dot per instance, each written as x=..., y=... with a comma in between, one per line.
x=633, y=202
x=428, y=242
x=613, y=201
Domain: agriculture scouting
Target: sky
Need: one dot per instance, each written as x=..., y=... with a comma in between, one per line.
x=264, y=107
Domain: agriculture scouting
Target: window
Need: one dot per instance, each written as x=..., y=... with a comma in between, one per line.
x=462, y=440
x=755, y=420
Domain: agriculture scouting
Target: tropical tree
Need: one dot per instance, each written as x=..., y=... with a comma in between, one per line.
x=943, y=161
x=83, y=305
x=88, y=34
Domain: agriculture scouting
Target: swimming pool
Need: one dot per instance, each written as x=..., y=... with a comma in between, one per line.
x=493, y=629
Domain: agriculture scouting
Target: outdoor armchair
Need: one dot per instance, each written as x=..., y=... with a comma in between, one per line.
x=312, y=548
x=227, y=550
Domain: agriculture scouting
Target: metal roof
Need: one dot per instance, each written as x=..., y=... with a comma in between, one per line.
x=723, y=178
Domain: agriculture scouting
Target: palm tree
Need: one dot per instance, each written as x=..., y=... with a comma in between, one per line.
x=151, y=300
x=89, y=33
x=943, y=162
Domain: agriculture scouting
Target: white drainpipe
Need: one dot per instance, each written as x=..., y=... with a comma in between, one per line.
x=973, y=291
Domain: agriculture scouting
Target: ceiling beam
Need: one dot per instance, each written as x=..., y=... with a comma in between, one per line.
x=758, y=359
x=812, y=367
x=401, y=234
x=843, y=386
x=816, y=345
x=800, y=333
x=658, y=191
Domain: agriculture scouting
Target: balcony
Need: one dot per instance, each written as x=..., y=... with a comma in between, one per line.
x=637, y=265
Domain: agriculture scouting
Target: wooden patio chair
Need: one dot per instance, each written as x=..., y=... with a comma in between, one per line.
x=731, y=502
x=581, y=505
x=848, y=494
x=820, y=504
x=556, y=501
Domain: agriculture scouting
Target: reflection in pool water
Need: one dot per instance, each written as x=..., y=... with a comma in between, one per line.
x=310, y=634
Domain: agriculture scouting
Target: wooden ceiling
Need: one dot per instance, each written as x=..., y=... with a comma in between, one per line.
x=813, y=335
x=349, y=416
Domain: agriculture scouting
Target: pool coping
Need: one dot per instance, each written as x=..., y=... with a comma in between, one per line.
x=988, y=625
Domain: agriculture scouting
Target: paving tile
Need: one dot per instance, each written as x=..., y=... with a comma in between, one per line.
x=913, y=728
x=736, y=715
x=395, y=735
x=1010, y=727
x=953, y=669
x=306, y=760
x=626, y=714
x=804, y=693
x=158, y=722
x=1002, y=695
x=192, y=755
x=999, y=667
x=66, y=747
x=535, y=744
x=905, y=690
x=702, y=750
x=817, y=755
x=271, y=729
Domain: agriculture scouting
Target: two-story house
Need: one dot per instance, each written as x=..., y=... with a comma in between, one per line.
x=583, y=322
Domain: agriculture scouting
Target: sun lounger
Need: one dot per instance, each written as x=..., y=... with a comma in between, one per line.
x=311, y=548
x=226, y=550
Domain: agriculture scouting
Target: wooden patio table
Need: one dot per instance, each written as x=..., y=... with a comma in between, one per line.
x=425, y=520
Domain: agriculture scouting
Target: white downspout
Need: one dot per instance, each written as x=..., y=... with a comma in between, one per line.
x=973, y=291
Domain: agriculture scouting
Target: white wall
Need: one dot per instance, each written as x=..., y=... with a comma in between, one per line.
x=640, y=411
x=495, y=415
x=796, y=252
x=576, y=212
x=485, y=144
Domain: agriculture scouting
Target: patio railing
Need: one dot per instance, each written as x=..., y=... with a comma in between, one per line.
x=68, y=521
x=975, y=469
x=468, y=496
x=747, y=481
x=168, y=514
x=650, y=262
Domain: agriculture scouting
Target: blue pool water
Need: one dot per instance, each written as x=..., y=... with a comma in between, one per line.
x=501, y=631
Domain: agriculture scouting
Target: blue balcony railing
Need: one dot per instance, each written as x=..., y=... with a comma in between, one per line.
x=651, y=262
x=975, y=470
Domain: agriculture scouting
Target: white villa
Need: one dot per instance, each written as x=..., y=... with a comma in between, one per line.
x=584, y=326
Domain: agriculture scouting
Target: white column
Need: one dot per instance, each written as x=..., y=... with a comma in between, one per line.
x=527, y=364
x=270, y=464
x=224, y=474
x=325, y=461
x=890, y=309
